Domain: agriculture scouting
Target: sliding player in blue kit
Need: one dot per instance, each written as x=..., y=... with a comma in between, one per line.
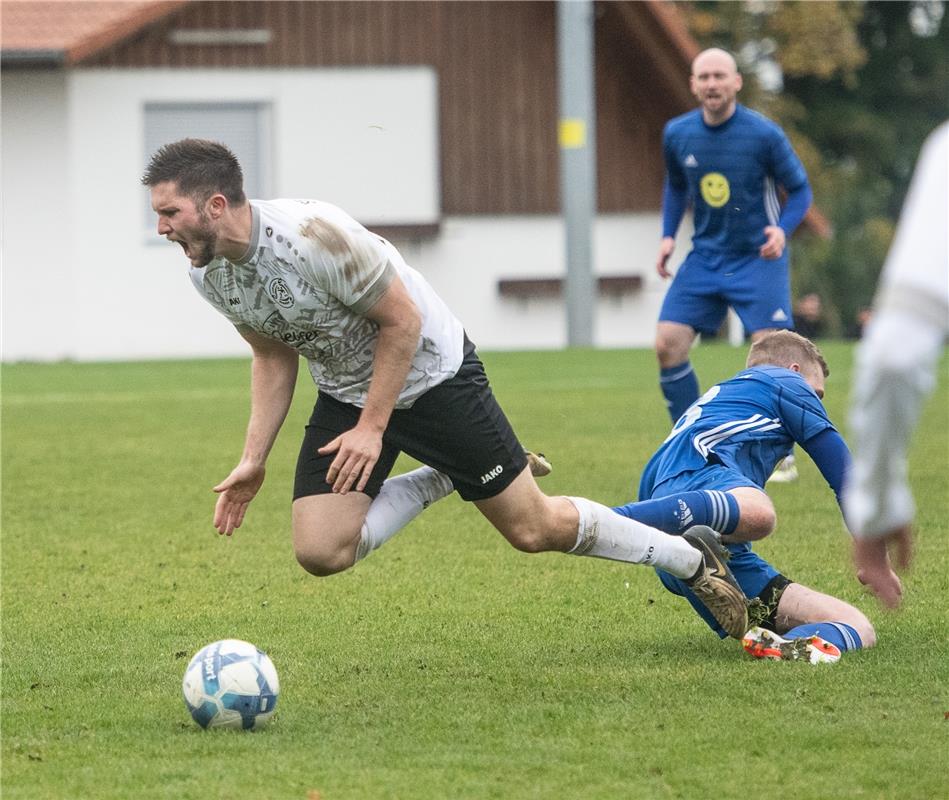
x=726, y=162
x=711, y=470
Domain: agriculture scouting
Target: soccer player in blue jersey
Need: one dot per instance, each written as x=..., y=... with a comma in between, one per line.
x=725, y=161
x=711, y=470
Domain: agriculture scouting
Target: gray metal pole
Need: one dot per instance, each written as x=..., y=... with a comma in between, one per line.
x=577, y=136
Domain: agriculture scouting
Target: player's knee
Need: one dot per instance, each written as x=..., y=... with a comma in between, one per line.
x=863, y=627
x=757, y=518
x=527, y=541
x=322, y=564
x=666, y=352
x=672, y=348
x=527, y=537
x=321, y=553
x=759, y=523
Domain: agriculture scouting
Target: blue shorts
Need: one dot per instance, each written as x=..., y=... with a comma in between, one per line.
x=756, y=576
x=759, y=289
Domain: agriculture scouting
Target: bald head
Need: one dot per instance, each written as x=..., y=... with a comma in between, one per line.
x=715, y=82
x=714, y=58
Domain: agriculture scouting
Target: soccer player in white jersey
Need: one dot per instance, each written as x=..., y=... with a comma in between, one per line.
x=896, y=368
x=394, y=371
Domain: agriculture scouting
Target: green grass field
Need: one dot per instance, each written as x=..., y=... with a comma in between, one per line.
x=447, y=665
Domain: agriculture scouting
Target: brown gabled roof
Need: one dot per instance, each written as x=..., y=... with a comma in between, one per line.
x=65, y=32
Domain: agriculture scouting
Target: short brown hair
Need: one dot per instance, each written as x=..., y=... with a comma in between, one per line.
x=783, y=348
x=199, y=168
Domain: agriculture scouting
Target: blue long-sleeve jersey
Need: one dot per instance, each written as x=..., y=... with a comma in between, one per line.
x=729, y=174
x=749, y=423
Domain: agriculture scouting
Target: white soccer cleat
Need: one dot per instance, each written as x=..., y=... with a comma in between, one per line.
x=785, y=472
x=763, y=643
x=539, y=465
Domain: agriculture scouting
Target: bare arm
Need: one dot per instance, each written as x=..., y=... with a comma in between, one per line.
x=358, y=449
x=871, y=557
x=273, y=377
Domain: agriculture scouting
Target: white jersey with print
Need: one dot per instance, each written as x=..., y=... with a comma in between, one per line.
x=309, y=275
x=897, y=359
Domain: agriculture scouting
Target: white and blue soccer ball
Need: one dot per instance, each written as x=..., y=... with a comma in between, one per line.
x=231, y=684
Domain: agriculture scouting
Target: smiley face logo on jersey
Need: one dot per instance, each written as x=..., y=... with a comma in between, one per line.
x=715, y=189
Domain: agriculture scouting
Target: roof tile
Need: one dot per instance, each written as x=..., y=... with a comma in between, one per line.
x=75, y=29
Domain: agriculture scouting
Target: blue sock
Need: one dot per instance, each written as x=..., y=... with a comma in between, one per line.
x=675, y=513
x=680, y=386
x=838, y=633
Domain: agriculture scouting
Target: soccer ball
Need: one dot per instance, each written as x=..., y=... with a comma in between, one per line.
x=231, y=684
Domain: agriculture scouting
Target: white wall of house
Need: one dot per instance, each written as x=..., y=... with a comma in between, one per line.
x=37, y=289
x=471, y=254
x=83, y=280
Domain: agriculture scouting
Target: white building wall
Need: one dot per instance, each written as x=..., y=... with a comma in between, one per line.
x=37, y=294
x=83, y=280
x=466, y=261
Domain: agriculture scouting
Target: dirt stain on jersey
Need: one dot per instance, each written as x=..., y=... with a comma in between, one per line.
x=331, y=239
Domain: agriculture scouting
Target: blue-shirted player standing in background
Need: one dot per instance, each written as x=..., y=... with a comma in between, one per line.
x=726, y=162
x=711, y=470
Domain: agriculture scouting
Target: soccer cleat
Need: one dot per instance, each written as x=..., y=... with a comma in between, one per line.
x=714, y=585
x=539, y=465
x=785, y=472
x=763, y=643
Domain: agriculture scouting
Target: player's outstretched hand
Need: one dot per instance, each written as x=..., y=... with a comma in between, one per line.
x=666, y=247
x=357, y=451
x=872, y=559
x=234, y=495
x=774, y=242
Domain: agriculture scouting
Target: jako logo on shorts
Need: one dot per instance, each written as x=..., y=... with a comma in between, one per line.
x=490, y=476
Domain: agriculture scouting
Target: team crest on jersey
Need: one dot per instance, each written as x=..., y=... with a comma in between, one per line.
x=280, y=292
x=269, y=231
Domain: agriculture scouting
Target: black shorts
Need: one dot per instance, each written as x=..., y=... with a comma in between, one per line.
x=456, y=427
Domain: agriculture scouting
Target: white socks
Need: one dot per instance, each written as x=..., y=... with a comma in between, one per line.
x=602, y=533
x=399, y=501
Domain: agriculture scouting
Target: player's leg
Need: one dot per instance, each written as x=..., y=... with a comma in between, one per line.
x=326, y=530
x=488, y=466
x=739, y=513
x=677, y=378
x=690, y=306
x=804, y=612
x=332, y=531
x=533, y=522
x=459, y=428
x=809, y=626
x=759, y=581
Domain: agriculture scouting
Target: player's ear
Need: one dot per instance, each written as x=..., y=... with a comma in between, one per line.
x=794, y=366
x=216, y=205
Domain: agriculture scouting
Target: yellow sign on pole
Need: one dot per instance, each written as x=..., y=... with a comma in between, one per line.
x=572, y=133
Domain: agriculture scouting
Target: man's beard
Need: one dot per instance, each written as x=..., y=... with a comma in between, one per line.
x=204, y=242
